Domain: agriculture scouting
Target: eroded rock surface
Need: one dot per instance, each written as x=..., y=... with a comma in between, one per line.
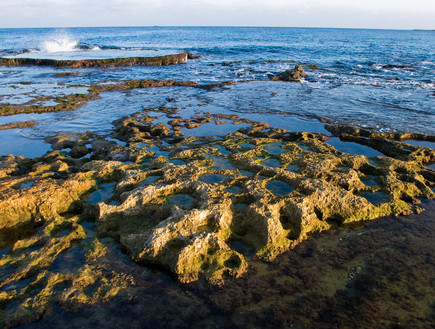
x=198, y=207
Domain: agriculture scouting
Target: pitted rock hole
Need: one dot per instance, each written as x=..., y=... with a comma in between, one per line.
x=279, y=188
x=212, y=178
x=184, y=201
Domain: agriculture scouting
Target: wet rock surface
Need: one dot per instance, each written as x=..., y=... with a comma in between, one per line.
x=71, y=102
x=205, y=208
x=343, y=130
x=294, y=75
x=19, y=125
x=110, y=62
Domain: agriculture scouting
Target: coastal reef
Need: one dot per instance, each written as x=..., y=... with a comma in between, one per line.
x=108, y=62
x=169, y=195
x=71, y=102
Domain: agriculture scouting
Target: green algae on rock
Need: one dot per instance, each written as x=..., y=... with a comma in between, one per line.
x=63, y=103
x=71, y=102
x=19, y=125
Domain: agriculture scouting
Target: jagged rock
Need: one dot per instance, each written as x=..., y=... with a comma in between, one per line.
x=13, y=165
x=294, y=75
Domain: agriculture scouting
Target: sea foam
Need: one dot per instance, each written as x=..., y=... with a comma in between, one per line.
x=60, y=45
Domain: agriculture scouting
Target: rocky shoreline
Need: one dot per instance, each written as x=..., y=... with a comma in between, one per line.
x=205, y=208
x=109, y=62
x=199, y=208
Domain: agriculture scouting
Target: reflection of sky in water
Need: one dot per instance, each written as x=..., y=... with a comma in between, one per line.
x=177, y=162
x=221, y=164
x=12, y=142
x=212, y=178
x=222, y=149
x=279, y=188
x=22, y=92
x=293, y=168
x=233, y=189
x=249, y=100
x=427, y=144
x=98, y=115
x=149, y=180
x=117, y=141
x=211, y=129
x=274, y=163
x=246, y=173
x=353, y=148
x=182, y=200
x=375, y=198
x=369, y=181
x=27, y=184
x=273, y=149
x=104, y=193
x=158, y=151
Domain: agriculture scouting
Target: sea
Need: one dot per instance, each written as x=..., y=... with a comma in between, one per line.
x=378, y=79
x=377, y=275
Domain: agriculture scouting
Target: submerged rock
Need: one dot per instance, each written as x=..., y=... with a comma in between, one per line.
x=19, y=125
x=73, y=101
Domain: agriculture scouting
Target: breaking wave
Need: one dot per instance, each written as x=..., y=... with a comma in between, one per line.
x=65, y=44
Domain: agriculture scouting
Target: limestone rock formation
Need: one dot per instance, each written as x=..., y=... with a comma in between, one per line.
x=201, y=208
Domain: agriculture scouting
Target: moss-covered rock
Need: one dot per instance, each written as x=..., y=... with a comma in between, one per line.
x=19, y=125
x=45, y=199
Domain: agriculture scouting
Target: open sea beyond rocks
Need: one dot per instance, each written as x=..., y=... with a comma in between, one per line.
x=217, y=177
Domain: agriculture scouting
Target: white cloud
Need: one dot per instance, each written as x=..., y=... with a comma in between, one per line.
x=332, y=13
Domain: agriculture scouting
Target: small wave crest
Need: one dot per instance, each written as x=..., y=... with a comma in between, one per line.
x=14, y=52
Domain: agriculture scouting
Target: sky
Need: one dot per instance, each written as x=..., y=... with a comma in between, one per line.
x=383, y=14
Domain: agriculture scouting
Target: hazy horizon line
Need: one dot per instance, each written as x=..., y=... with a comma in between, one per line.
x=223, y=26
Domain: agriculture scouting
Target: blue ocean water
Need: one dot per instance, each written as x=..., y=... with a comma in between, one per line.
x=380, y=79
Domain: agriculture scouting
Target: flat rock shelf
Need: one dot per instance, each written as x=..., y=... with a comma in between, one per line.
x=108, y=62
